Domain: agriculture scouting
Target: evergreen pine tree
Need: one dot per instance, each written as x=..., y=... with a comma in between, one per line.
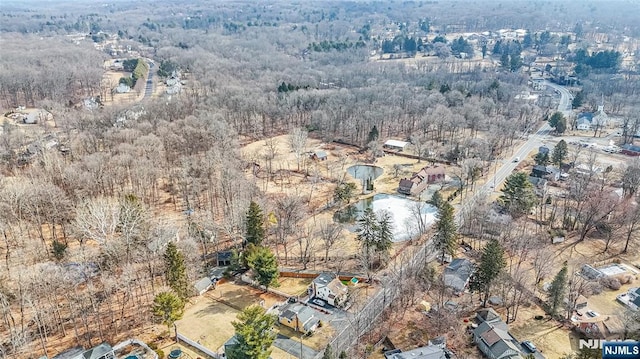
x=384, y=239
x=328, y=353
x=254, y=333
x=255, y=224
x=492, y=262
x=373, y=134
x=542, y=158
x=176, y=271
x=444, y=241
x=264, y=265
x=557, y=290
x=560, y=153
x=168, y=308
x=367, y=233
x=518, y=196
x=436, y=199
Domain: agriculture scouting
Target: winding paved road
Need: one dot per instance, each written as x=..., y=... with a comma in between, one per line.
x=534, y=141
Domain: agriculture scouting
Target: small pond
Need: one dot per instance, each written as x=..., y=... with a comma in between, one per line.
x=402, y=214
x=365, y=172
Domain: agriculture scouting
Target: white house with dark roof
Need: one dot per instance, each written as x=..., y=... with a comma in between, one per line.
x=328, y=287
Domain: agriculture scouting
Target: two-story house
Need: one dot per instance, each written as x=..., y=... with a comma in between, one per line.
x=328, y=287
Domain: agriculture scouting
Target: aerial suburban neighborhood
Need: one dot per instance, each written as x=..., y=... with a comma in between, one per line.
x=319, y=180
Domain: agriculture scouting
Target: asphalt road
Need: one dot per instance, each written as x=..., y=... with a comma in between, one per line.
x=148, y=90
x=534, y=141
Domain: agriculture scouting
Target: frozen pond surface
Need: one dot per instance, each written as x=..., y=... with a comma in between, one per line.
x=365, y=172
x=402, y=210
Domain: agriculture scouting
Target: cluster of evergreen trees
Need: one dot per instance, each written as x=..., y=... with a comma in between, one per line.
x=166, y=68
x=607, y=60
x=460, y=45
x=138, y=69
x=326, y=46
x=510, y=54
x=287, y=87
x=375, y=235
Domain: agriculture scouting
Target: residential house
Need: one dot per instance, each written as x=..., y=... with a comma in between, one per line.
x=37, y=116
x=457, y=274
x=630, y=150
x=173, y=90
x=395, y=145
x=494, y=340
x=319, y=155
x=584, y=120
x=224, y=258
x=123, y=88
x=488, y=315
x=549, y=173
x=203, y=285
x=634, y=298
x=602, y=327
x=298, y=317
x=102, y=351
x=435, y=349
x=631, y=299
x=539, y=185
x=329, y=288
x=583, y=124
x=543, y=150
x=172, y=81
x=421, y=179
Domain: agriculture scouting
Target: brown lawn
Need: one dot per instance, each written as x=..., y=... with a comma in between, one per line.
x=208, y=318
x=317, y=341
x=294, y=286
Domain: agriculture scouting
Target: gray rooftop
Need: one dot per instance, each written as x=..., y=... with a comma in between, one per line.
x=428, y=352
x=102, y=351
x=203, y=284
x=305, y=314
x=458, y=273
x=324, y=278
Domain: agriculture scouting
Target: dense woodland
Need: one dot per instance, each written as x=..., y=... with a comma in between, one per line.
x=83, y=230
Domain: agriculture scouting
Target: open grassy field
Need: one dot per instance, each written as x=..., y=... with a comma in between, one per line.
x=208, y=318
x=552, y=340
x=294, y=286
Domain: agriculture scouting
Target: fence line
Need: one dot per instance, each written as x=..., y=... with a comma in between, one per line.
x=197, y=345
x=255, y=284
